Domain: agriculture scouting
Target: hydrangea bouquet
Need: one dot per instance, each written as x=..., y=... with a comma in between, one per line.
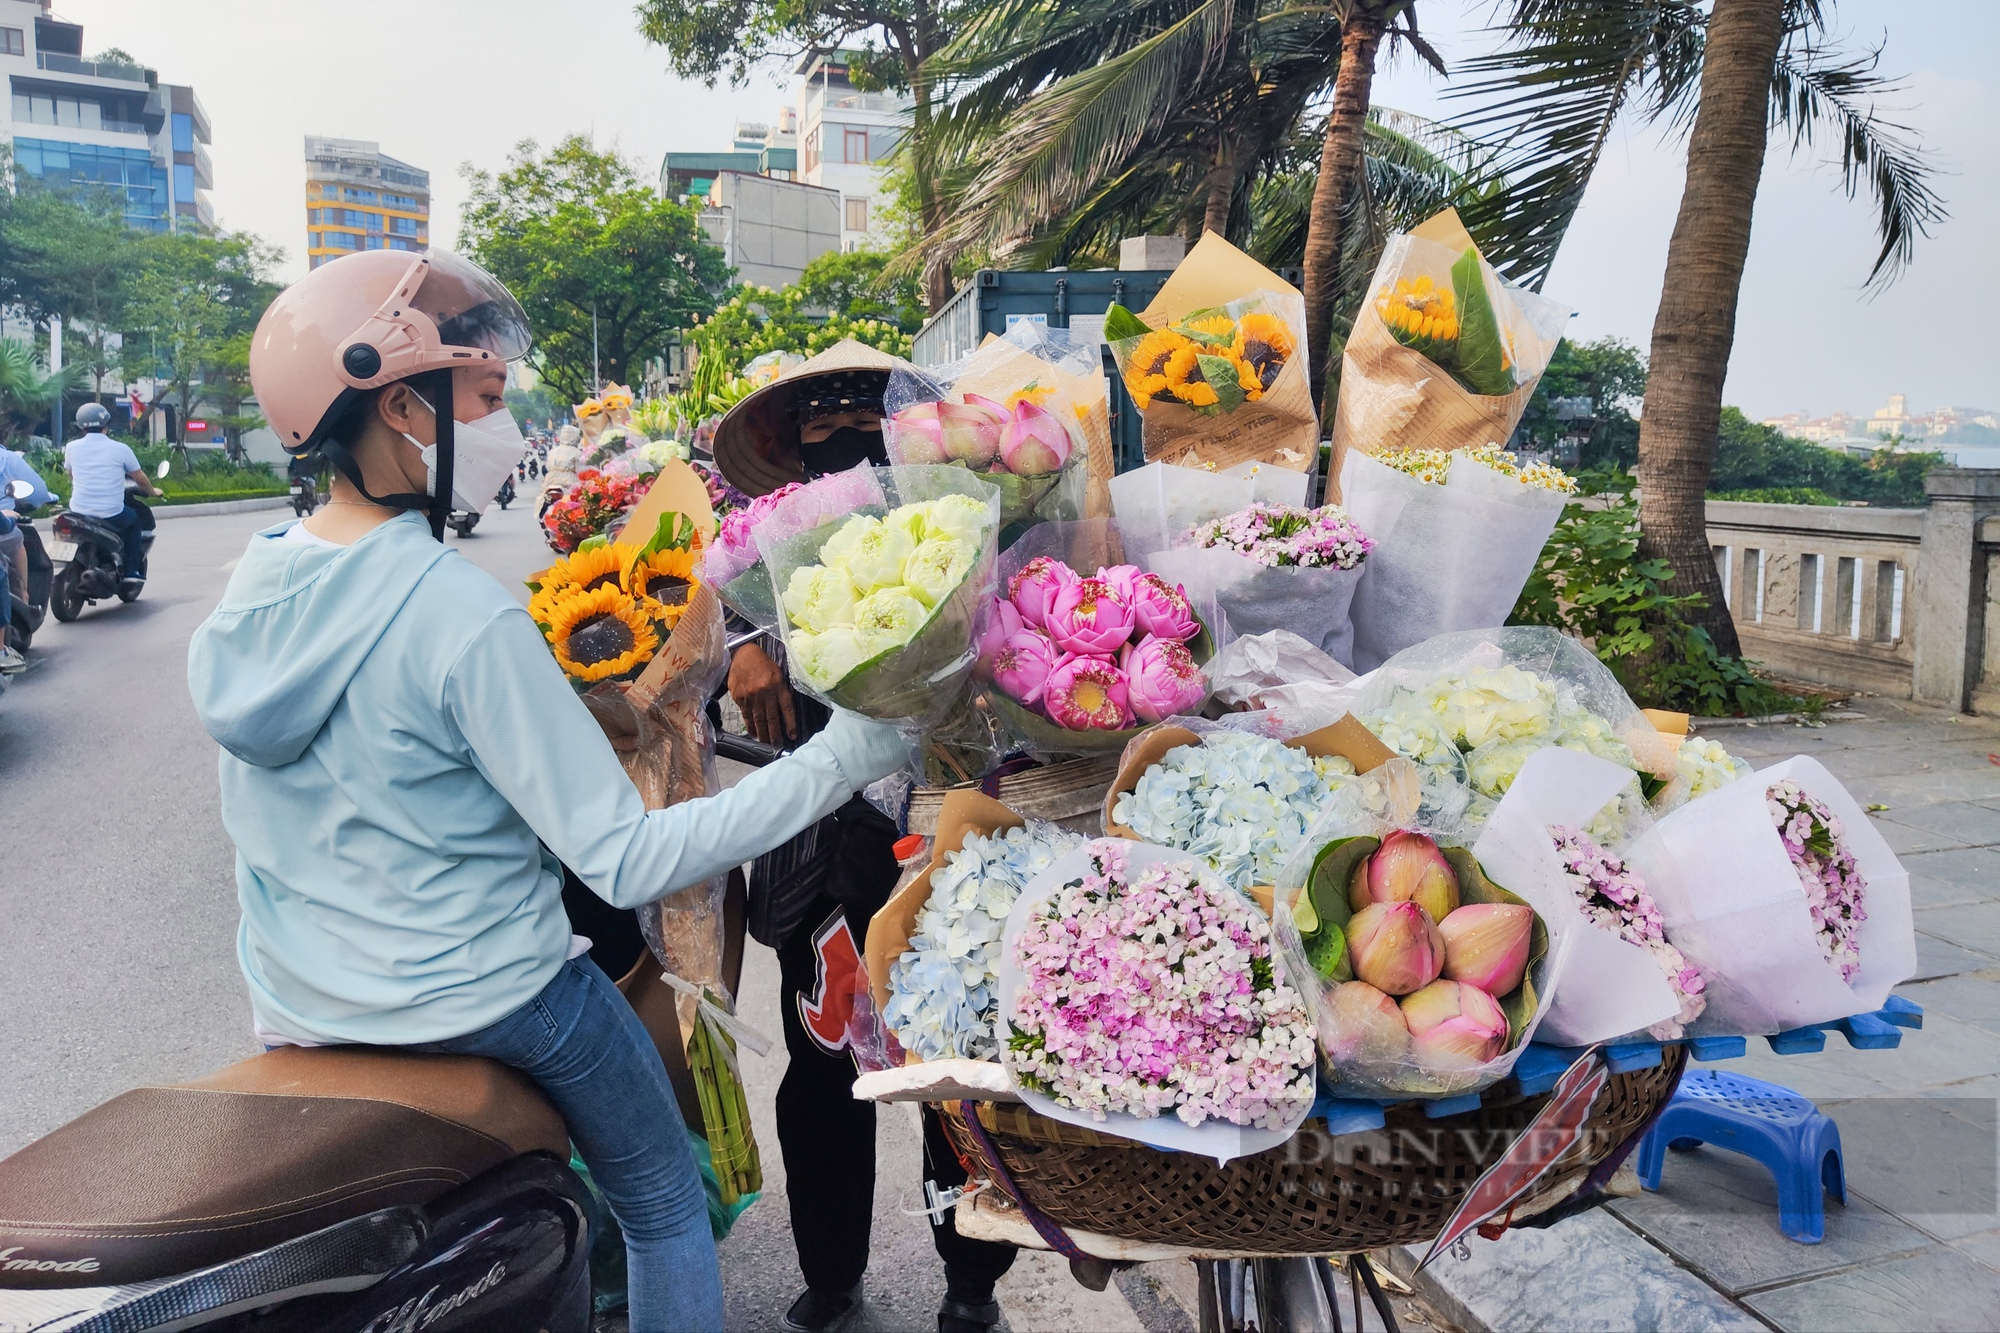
x=1613, y=897
x=879, y=599
x=943, y=989
x=1834, y=887
x=1146, y=988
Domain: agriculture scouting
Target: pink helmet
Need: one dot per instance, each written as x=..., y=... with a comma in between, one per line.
x=370, y=319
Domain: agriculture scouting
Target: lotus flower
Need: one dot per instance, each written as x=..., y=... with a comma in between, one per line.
x=1163, y=679
x=1088, y=619
x=1395, y=947
x=1363, y=1024
x=916, y=434
x=1034, y=588
x=1034, y=442
x=1406, y=868
x=1486, y=945
x=1022, y=665
x=1454, y=1025
x=936, y=568
x=1123, y=579
x=970, y=430
x=1162, y=609
x=998, y=622
x=1087, y=694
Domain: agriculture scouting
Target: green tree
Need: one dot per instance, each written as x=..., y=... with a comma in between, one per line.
x=1611, y=373
x=858, y=284
x=756, y=320
x=70, y=255
x=1754, y=457
x=195, y=302
x=608, y=272
x=1728, y=75
x=897, y=39
x=27, y=390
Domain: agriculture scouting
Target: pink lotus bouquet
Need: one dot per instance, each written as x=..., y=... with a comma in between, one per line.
x=1614, y=898
x=1817, y=846
x=1098, y=654
x=1024, y=445
x=1157, y=990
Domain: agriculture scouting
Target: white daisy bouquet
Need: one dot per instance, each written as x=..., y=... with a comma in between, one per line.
x=878, y=602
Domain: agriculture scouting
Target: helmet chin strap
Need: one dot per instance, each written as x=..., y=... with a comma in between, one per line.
x=438, y=507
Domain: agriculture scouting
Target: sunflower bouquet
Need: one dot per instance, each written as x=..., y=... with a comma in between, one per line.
x=606, y=608
x=1213, y=361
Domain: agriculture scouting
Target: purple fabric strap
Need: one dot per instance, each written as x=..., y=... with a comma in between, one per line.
x=989, y=1154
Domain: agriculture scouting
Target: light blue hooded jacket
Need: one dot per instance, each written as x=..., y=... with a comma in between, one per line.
x=395, y=736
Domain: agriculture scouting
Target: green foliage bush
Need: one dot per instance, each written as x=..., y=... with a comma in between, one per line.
x=1750, y=457
x=1778, y=495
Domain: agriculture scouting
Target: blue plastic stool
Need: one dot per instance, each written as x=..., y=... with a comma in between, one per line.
x=1774, y=1125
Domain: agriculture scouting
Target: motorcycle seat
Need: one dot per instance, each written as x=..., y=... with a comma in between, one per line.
x=163, y=1180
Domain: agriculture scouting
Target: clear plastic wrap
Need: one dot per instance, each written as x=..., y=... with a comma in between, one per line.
x=1734, y=905
x=1086, y=547
x=1446, y=558
x=1077, y=364
x=882, y=650
x=1366, y=1053
x=734, y=564
x=1001, y=413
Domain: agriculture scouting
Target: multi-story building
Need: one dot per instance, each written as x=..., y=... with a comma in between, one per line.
x=359, y=198
x=105, y=126
x=758, y=150
x=845, y=138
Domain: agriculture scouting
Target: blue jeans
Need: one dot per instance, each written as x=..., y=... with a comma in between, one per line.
x=582, y=1043
x=131, y=526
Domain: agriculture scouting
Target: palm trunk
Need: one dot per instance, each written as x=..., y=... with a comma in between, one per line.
x=1339, y=163
x=1221, y=185
x=1696, y=324
x=930, y=209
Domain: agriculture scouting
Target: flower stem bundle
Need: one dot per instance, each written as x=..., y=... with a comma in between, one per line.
x=725, y=1111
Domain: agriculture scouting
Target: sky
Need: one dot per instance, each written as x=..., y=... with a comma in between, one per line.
x=444, y=82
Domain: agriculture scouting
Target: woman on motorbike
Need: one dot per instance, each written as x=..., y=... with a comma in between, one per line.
x=396, y=739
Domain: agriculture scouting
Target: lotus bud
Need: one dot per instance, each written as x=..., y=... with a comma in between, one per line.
x=1034, y=442
x=1162, y=609
x=1486, y=945
x=1022, y=665
x=971, y=430
x=1163, y=679
x=1361, y=1024
x=1406, y=868
x=915, y=434
x=1089, y=619
x=1123, y=579
x=999, y=621
x=1034, y=587
x=1454, y=1025
x=1087, y=694
x=1395, y=947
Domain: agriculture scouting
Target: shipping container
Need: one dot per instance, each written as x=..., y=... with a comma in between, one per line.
x=995, y=299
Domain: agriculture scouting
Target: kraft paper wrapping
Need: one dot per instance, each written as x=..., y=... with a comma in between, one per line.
x=1280, y=427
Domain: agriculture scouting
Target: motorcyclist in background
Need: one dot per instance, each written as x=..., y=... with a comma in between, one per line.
x=100, y=466
x=13, y=549
x=396, y=737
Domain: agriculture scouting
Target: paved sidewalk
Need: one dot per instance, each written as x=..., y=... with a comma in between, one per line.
x=1918, y=1244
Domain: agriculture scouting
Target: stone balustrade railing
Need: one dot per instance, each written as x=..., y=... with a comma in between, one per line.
x=1892, y=601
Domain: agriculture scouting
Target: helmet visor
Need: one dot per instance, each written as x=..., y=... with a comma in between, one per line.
x=472, y=308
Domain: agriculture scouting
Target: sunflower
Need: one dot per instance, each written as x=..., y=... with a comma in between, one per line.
x=584, y=571
x=1215, y=330
x=1146, y=369
x=600, y=633
x=666, y=579
x=1264, y=344
x=1247, y=377
x=1184, y=378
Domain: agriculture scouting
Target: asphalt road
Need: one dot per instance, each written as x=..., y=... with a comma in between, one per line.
x=118, y=918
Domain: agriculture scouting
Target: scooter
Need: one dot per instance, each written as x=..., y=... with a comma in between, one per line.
x=305, y=495
x=334, y=1189
x=91, y=554
x=506, y=496
x=27, y=617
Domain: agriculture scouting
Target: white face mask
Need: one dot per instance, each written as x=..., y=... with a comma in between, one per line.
x=483, y=456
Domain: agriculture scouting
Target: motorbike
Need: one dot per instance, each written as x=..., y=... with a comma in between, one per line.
x=90, y=553
x=462, y=521
x=506, y=496
x=305, y=495
x=27, y=617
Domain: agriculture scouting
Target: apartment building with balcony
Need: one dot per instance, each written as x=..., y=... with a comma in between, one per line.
x=360, y=198
x=845, y=138
x=106, y=127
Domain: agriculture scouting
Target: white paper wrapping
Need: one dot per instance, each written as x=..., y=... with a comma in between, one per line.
x=1450, y=557
x=1609, y=987
x=1212, y=1138
x=1734, y=906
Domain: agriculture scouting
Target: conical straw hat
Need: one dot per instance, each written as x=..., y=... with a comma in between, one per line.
x=757, y=443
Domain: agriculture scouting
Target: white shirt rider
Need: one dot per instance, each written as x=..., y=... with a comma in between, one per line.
x=100, y=467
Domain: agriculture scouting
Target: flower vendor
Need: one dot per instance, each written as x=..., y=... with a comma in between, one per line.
x=398, y=745
x=811, y=899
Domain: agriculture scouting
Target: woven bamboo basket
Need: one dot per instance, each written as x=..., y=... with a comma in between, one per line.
x=1318, y=1193
x=1070, y=793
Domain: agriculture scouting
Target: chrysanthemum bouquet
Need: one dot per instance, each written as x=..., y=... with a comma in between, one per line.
x=1613, y=897
x=1097, y=654
x=1287, y=536
x=1834, y=887
x=944, y=988
x=588, y=508
x=1149, y=989
x=879, y=599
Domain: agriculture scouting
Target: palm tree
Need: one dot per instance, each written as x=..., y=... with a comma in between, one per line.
x=27, y=392
x=1727, y=77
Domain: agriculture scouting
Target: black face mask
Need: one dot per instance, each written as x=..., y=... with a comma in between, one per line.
x=847, y=447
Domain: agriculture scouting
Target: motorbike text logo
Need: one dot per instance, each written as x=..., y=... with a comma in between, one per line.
x=418, y=1312
x=9, y=1264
